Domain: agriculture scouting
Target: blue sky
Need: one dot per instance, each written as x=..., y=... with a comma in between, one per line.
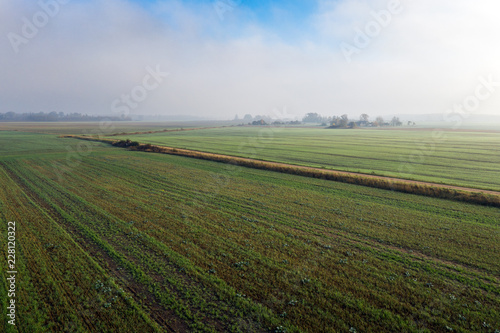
x=325, y=56
x=263, y=10
x=288, y=20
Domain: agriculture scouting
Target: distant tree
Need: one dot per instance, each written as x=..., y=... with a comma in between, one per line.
x=312, y=118
x=52, y=116
x=259, y=122
x=379, y=121
x=334, y=121
x=55, y=116
x=364, y=118
x=396, y=122
x=266, y=119
x=248, y=117
x=343, y=121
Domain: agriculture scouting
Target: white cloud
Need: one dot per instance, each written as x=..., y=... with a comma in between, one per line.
x=426, y=59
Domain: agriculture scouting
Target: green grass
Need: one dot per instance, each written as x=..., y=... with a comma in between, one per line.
x=33, y=145
x=96, y=128
x=203, y=246
x=468, y=159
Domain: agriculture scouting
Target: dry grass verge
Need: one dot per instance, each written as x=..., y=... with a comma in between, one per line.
x=470, y=195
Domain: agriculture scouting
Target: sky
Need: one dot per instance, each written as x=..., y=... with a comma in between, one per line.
x=224, y=58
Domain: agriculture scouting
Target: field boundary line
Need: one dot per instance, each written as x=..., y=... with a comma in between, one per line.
x=167, y=130
x=443, y=191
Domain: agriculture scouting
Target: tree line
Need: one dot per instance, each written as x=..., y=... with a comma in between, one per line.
x=343, y=121
x=56, y=116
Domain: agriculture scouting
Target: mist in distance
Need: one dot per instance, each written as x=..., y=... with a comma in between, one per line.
x=222, y=58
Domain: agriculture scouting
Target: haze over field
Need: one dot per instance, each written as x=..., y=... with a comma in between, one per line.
x=235, y=57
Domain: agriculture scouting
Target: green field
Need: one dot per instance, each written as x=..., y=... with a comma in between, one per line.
x=111, y=240
x=468, y=159
x=96, y=128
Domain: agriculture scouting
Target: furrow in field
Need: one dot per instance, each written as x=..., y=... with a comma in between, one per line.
x=200, y=238
x=245, y=249
x=141, y=252
x=80, y=233
x=49, y=251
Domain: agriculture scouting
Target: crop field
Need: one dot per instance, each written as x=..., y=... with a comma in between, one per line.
x=110, y=240
x=97, y=128
x=469, y=158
